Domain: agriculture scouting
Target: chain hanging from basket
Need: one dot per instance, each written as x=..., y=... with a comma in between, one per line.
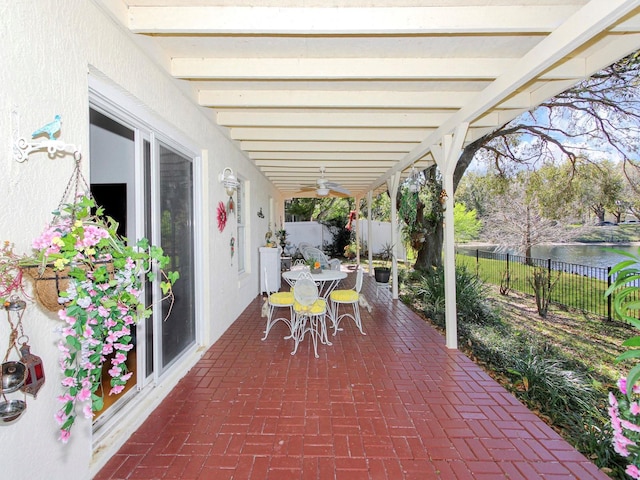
x=49, y=280
x=76, y=184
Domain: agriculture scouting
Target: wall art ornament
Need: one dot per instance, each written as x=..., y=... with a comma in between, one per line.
x=232, y=246
x=222, y=216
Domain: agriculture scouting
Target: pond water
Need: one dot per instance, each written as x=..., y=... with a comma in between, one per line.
x=593, y=255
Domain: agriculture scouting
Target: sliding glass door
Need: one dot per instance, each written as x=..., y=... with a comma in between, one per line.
x=176, y=220
x=145, y=182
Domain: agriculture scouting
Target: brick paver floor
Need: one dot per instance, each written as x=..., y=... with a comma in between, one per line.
x=394, y=404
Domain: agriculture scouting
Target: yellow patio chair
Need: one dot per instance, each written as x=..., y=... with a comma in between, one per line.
x=277, y=300
x=309, y=313
x=347, y=297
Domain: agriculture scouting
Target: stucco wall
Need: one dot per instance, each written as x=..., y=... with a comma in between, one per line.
x=50, y=48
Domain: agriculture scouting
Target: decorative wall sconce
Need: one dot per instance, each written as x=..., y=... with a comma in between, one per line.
x=229, y=180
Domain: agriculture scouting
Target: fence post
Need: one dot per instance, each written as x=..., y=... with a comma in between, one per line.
x=549, y=275
x=609, y=316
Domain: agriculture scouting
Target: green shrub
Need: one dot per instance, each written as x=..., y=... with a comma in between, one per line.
x=471, y=296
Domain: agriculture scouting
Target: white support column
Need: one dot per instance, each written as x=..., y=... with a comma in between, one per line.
x=369, y=232
x=357, y=227
x=393, y=183
x=446, y=159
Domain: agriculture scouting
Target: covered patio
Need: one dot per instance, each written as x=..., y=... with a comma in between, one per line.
x=394, y=404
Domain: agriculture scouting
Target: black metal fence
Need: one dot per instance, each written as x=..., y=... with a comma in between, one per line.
x=575, y=286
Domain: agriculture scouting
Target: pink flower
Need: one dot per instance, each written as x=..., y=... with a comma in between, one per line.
x=634, y=408
x=116, y=390
x=633, y=471
x=112, y=337
x=64, y=350
x=107, y=348
x=620, y=444
x=103, y=312
x=87, y=411
x=64, y=436
x=62, y=314
x=84, y=395
x=88, y=332
x=60, y=417
x=126, y=377
x=115, y=371
x=118, y=359
x=69, y=382
x=622, y=385
x=122, y=347
x=629, y=426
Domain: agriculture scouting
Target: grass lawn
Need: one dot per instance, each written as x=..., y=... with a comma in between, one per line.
x=583, y=338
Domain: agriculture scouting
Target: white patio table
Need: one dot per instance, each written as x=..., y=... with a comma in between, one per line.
x=327, y=280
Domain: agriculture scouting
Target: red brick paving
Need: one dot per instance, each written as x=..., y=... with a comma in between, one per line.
x=394, y=404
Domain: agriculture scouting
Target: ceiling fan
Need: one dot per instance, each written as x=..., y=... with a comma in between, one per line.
x=324, y=187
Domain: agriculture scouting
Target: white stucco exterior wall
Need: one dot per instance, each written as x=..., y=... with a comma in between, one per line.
x=50, y=49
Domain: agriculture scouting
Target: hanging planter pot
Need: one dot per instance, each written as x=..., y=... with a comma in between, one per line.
x=49, y=283
x=13, y=376
x=11, y=410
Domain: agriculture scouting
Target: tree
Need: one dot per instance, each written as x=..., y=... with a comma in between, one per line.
x=307, y=209
x=515, y=219
x=603, y=110
x=467, y=225
x=599, y=186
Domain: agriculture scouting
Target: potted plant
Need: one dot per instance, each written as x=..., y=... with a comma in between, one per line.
x=383, y=272
x=350, y=251
x=314, y=265
x=281, y=235
x=99, y=278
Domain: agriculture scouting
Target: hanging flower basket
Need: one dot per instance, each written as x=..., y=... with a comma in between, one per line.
x=93, y=278
x=50, y=283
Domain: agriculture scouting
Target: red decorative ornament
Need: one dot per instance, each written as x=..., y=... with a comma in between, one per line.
x=222, y=216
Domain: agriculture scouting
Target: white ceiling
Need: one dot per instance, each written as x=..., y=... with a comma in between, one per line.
x=366, y=88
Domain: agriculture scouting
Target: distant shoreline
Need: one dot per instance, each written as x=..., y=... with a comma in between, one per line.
x=487, y=244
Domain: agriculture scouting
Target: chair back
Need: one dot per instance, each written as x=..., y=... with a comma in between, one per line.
x=316, y=253
x=302, y=246
x=359, y=277
x=305, y=290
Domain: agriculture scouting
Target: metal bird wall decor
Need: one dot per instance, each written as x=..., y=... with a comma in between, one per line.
x=49, y=129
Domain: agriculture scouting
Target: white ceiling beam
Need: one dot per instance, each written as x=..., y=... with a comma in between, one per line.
x=588, y=22
x=329, y=164
x=347, y=21
x=330, y=134
x=333, y=99
x=343, y=119
x=261, y=68
x=264, y=146
x=346, y=169
x=345, y=156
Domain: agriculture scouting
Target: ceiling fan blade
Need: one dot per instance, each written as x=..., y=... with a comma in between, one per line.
x=338, y=188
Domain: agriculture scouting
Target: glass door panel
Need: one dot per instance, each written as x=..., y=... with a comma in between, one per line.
x=177, y=241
